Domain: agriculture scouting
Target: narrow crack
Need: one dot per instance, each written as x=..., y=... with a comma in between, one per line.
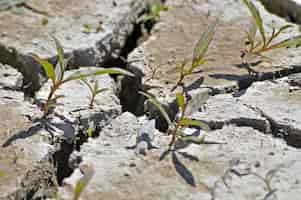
x=245, y=82
x=288, y=133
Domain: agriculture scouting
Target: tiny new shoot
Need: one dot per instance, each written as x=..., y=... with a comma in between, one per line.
x=154, y=14
x=176, y=127
x=88, y=172
x=199, y=53
x=255, y=48
x=94, y=91
x=57, y=75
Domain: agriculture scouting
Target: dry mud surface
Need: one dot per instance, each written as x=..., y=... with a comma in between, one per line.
x=252, y=151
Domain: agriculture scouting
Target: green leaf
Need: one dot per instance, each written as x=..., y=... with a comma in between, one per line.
x=291, y=42
x=88, y=85
x=90, y=132
x=79, y=187
x=181, y=102
x=193, y=122
x=258, y=20
x=48, y=68
x=159, y=107
x=157, y=8
x=203, y=43
x=283, y=28
x=193, y=139
x=101, y=90
x=148, y=18
x=81, y=75
x=60, y=52
x=195, y=65
x=58, y=97
x=275, y=35
x=96, y=85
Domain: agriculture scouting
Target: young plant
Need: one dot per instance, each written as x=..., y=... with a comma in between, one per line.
x=57, y=75
x=154, y=12
x=266, y=43
x=199, y=53
x=176, y=127
x=94, y=90
x=88, y=172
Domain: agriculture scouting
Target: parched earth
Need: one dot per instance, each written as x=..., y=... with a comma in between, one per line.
x=252, y=151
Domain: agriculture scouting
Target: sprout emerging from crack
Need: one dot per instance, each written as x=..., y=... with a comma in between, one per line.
x=176, y=127
x=199, y=53
x=266, y=43
x=94, y=91
x=154, y=14
x=88, y=172
x=57, y=75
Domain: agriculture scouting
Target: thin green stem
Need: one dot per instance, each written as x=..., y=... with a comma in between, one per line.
x=92, y=101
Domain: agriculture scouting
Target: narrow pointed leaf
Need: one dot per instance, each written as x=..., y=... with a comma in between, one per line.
x=283, y=28
x=88, y=85
x=90, y=132
x=58, y=97
x=81, y=75
x=275, y=34
x=48, y=68
x=203, y=43
x=79, y=188
x=291, y=42
x=193, y=122
x=101, y=90
x=61, y=58
x=149, y=18
x=195, y=65
x=158, y=106
x=181, y=102
x=258, y=20
x=96, y=85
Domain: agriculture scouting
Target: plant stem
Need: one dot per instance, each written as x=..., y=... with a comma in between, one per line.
x=91, y=101
x=46, y=105
x=174, y=136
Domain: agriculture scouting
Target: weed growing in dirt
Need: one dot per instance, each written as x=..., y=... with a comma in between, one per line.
x=199, y=53
x=176, y=127
x=57, y=75
x=94, y=91
x=154, y=14
x=266, y=43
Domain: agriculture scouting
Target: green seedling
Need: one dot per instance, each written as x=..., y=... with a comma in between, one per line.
x=90, y=132
x=176, y=127
x=91, y=28
x=94, y=90
x=154, y=12
x=57, y=75
x=88, y=173
x=199, y=53
x=266, y=43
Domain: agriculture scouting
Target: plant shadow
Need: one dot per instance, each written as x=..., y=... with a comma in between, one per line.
x=180, y=168
x=63, y=126
x=183, y=171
